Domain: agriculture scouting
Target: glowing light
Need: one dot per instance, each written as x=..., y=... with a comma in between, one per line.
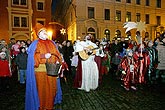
x=63, y=31
x=50, y=35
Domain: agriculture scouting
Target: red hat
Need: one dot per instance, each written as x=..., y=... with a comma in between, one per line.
x=106, y=49
x=2, y=53
x=39, y=27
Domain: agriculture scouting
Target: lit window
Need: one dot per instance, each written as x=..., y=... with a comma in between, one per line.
x=107, y=34
x=128, y=16
x=118, y=15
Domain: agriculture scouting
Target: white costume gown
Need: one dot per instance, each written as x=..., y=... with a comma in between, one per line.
x=90, y=73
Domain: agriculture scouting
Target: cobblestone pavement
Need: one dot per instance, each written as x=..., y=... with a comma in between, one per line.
x=109, y=96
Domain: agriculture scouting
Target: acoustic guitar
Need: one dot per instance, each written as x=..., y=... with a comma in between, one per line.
x=86, y=53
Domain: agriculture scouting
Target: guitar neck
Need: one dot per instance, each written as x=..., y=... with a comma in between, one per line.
x=95, y=48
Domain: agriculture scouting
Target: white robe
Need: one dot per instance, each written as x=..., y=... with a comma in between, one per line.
x=90, y=73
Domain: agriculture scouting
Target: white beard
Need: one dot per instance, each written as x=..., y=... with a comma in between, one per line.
x=43, y=35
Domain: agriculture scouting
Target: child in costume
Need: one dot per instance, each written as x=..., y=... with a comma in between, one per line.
x=64, y=70
x=128, y=66
x=141, y=55
x=106, y=60
x=4, y=71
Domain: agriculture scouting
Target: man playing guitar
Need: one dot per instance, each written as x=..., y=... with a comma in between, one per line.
x=87, y=70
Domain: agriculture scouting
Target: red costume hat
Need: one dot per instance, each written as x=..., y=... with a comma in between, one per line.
x=2, y=53
x=38, y=28
x=106, y=49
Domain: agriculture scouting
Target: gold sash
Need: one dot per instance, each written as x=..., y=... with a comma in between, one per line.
x=41, y=68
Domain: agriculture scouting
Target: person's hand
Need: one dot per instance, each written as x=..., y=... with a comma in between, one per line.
x=123, y=72
x=47, y=55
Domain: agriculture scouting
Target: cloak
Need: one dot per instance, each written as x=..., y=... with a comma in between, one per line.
x=31, y=95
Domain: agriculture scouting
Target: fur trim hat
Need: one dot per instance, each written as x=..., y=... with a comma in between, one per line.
x=2, y=53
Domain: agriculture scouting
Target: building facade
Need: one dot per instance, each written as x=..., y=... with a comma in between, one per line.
x=105, y=18
x=18, y=17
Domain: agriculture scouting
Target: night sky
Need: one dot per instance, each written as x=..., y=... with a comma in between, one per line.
x=54, y=2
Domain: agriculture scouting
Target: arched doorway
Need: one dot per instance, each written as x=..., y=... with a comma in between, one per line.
x=107, y=34
x=21, y=36
x=92, y=32
x=118, y=34
x=128, y=35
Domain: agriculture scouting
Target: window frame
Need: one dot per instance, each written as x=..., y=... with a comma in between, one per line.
x=138, y=2
x=118, y=0
x=37, y=5
x=147, y=2
x=41, y=20
x=158, y=3
x=20, y=20
x=147, y=18
x=128, y=16
x=19, y=3
x=158, y=20
x=106, y=14
x=138, y=17
x=118, y=15
x=91, y=12
x=128, y=1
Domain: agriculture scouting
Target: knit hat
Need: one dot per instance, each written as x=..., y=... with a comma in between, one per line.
x=2, y=53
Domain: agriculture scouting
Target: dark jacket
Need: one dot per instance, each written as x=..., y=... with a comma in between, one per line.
x=21, y=61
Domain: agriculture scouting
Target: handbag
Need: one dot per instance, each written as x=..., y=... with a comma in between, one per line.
x=53, y=69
